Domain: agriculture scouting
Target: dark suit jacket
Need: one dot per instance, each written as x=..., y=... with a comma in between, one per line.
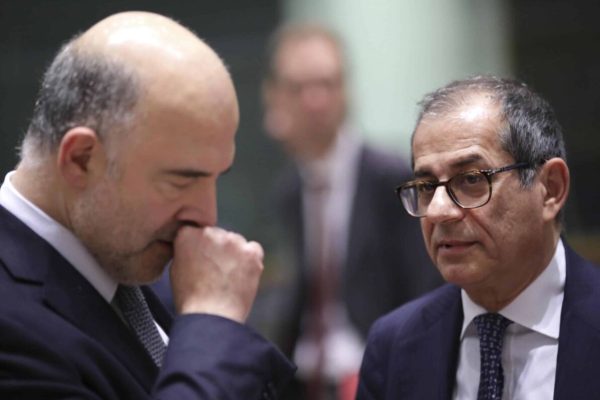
x=386, y=264
x=60, y=339
x=412, y=353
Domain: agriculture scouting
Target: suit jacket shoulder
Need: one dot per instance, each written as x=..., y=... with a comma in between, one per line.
x=411, y=352
x=579, y=342
x=385, y=164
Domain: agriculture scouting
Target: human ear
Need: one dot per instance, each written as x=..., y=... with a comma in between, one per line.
x=554, y=177
x=75, y=153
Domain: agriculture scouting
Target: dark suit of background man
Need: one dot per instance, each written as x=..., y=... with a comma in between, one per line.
x=519, y=316
x=358, y=255
x=134, y=123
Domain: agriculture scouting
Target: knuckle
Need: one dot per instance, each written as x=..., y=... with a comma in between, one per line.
x=256, y=249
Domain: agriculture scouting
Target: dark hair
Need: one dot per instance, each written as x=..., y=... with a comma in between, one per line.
x=531, y=132
x=80, y=89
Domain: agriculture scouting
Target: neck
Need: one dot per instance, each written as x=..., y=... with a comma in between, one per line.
x=38, y=184
x=496, y=296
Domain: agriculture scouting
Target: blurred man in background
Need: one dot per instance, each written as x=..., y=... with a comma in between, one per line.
x=357, y=255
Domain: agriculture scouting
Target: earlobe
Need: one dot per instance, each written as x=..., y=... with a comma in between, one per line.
x=75, y=153
x=555, y=178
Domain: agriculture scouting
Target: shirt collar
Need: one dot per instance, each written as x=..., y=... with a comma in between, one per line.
x=527, y=310
x=62, y=239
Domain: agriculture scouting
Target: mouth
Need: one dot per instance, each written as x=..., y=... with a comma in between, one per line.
x=448, y=247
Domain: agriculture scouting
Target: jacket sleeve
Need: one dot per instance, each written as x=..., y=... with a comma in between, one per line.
x=210, y=357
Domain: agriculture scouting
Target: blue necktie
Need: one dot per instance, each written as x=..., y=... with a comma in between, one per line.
x=490, y=329
x=132, y=304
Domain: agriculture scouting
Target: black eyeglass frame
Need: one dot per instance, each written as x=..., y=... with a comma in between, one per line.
x=488, y=173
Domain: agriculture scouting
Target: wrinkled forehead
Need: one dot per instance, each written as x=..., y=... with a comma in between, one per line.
x=466, y=135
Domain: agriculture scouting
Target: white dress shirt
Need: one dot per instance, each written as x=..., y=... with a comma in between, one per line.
x=530, y=343
x=62, y=239
x=343, y=344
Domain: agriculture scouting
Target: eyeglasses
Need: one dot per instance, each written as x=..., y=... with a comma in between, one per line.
x=469, y=189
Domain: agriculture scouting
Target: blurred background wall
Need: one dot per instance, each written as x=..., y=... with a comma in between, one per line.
x=398, y=50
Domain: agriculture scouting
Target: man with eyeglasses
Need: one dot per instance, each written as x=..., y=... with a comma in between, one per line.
x=520, y=315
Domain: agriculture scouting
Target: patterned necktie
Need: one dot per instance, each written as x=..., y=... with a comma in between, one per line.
x=132, y=304
x=490, y=328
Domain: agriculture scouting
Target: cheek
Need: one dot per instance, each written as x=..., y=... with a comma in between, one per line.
x=152, y=215
x=148, y=201
x=137, y=215
x=427, y=230
x=510, y=224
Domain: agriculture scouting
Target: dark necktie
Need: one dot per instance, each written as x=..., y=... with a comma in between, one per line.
x=132, y=304
x=490, y=329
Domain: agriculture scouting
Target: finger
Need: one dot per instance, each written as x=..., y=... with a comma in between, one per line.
x=256, y=248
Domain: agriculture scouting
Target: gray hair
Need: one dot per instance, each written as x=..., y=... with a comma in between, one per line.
x=80, y=89
x=530, y=132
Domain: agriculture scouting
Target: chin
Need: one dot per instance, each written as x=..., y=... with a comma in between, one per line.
x=141, y=273
x=141, y=278
x=459, y=274
x=151, y=265
x=151, y=273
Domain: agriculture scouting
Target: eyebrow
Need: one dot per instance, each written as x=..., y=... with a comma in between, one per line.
x=192, y=173
x=457, y=164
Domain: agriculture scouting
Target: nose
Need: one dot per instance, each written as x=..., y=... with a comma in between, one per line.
x=199, y=206
x=315, y=97
x=442, y=208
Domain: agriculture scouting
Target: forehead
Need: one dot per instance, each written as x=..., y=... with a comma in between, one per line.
x=182, y=132
x=307, y=57
x=468, y=135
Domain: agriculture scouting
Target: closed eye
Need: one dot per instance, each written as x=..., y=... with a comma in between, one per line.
x=181, y=182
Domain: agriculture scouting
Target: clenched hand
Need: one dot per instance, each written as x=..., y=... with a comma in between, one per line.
x=215, y=272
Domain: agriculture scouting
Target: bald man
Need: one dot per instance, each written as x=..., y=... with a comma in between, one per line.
x=134, y=123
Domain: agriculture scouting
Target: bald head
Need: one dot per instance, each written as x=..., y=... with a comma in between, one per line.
x=165, y=55
x=120, y=68
x=135, y=122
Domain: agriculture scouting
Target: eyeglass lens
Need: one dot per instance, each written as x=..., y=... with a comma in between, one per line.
x=468, y=190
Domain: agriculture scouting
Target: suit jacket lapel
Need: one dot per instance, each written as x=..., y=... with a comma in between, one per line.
x=292, y=210
x=359, y=223
x=69, y=294
x=428, y=361
x=579, y=341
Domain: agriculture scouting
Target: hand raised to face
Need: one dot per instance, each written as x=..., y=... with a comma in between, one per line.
x=215, y=272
